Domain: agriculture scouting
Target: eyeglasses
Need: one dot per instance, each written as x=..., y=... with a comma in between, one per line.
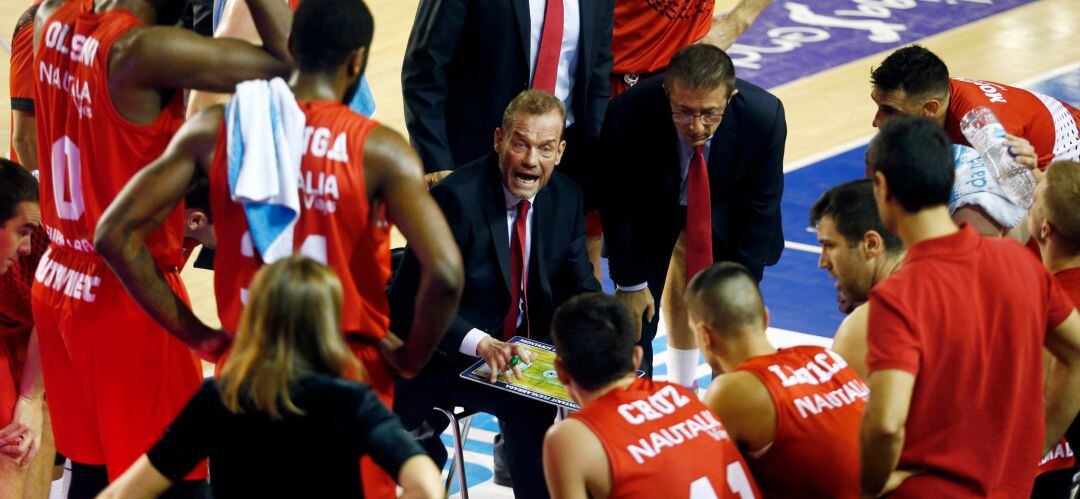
x=706, y=119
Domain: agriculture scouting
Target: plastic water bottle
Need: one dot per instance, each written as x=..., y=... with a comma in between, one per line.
x=987, y=135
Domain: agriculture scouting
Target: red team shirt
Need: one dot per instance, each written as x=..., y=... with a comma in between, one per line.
x=976, y=418
x=661, y=441
x=1049, y=124
x=115, y=378
x=338, y=226
x=647, y=33
x=819, y=404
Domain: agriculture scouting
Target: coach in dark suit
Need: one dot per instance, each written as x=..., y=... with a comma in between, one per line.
x=654, y=209
x=521, y=231
x=466, y=59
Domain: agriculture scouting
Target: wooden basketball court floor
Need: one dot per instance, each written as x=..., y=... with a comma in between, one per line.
x=828, y=112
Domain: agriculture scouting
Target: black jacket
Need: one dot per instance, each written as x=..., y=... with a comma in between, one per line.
x=641, y=180
x=467, y=59
x=472, y=201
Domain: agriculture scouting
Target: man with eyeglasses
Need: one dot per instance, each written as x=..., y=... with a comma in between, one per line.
x=693, y=173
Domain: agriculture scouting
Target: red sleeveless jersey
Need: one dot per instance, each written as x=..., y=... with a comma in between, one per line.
x=819, y=404
x=1048, y=123
x=338, y=225
x=86, y=150
x=661, y=441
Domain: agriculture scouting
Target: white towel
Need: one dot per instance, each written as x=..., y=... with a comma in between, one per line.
x=265, y=130
x=975, y=185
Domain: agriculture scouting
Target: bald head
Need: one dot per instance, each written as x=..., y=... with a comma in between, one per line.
x=725, y=297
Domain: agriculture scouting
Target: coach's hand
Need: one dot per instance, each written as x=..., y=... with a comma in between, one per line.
x=433, y=178
x=497, y=355
x=640, y=303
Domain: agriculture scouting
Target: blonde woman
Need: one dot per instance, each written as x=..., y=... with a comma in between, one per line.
x=279, y=421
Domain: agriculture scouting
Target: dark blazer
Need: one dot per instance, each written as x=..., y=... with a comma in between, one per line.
x=472, y=201
x=642, y=179
x=467, y=59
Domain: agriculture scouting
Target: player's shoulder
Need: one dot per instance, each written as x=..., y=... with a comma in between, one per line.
x=743, y=388
x=572, y=438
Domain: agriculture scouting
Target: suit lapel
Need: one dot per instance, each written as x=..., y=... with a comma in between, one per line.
x=496, y=214
x=543, y=217
x=521, y=15
x=722, y=153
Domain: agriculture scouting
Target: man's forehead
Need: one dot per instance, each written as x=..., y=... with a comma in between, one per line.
x=892, y=98
x=535, y=127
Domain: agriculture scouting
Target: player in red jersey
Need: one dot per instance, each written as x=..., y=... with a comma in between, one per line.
x=21, y=86
x=913, y=81
x=955, y=343
x=26, y=450
x=354, y=173
x=634, y=437
x=794, y=412
x=1054, y=224
x=109, y=88
x=645, y=34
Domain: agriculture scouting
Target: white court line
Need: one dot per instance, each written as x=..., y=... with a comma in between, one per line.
x=809, y=248
x=828, y=153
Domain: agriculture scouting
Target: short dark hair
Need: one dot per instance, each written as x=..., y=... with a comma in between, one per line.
x=913, y=69
x=701, y=66
x=725, y=296
x=17, y=185
x=915, y=155
x=852, y=208
x=325, y=32
x=594, y=337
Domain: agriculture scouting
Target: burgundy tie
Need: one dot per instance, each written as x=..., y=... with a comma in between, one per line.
x=547, y=55
x=518, y=278
x=698, y=217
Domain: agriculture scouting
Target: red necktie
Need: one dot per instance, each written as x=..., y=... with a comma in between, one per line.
x=698, y=217
x=547, y=55
x=519, y=299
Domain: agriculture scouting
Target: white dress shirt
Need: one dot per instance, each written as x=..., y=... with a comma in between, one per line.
x=686, y=154
x=474, y=336
x=564, y=82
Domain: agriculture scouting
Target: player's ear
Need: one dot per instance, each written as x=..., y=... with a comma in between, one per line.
x=357, y=62
x=930, y=108
x=498, y=139
x=872, y=244
x=639, y=354
x=560, y=371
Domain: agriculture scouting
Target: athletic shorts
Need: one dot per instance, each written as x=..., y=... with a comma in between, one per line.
x=115, y=378
x=376, y=481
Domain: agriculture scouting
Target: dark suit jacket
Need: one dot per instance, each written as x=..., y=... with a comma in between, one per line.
x=642, y=180
x=475, y=208
x=467, y=59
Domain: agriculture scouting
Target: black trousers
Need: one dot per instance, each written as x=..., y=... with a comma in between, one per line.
x=523, y=422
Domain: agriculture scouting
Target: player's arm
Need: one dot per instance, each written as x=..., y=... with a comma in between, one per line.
x=882, y=435
x=1063, y=383
x=394, y=174
x=850, y=341
x=24, y=137
x=140, y=208
x=575, y=464
x=179, y=58
x=140, y=481
x=743, y=403
x=727, y=27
